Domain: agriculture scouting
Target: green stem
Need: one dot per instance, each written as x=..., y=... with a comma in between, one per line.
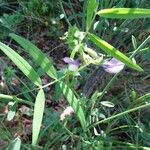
x=140, y=51
x=61, y=5
x=130, y=145
x=140, y=99
x=42, y=87
x=122, y=127
x=141, y=46
x=8, y=97
x=120, y=114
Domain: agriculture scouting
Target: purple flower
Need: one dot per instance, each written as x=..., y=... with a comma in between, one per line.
x=113, y=66
x=73, y=64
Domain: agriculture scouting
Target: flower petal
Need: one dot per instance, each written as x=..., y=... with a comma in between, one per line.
x=68, y=60
x=73, y=67
x=113, y=66
x=73, y=64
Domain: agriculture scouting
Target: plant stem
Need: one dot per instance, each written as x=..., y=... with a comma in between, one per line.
x=8, y=97
x=140, y=99
x=61, y=5
x=120, y=114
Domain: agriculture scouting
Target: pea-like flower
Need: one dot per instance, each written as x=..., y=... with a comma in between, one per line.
x=113, y=66
x=73, y=64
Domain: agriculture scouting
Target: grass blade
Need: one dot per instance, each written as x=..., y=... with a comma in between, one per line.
x=134, y=42
x=124, y=13
x=91, y=9
x=106, y=47
x=75, y=103
x=37, y=116
x=22, y=64
x=15, y=145
x=39, y=57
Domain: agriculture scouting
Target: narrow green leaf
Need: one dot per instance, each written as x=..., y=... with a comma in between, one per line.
x=74, y=102
x=106, y=47
x=39, y=57
x=134, y=43
x=91, y=9
x=15, y=145
x=37, y=116
x=22, y=64
x=107, y=104
x=124, y=13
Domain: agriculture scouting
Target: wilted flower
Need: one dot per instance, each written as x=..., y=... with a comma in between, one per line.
x=67, y=112
x=73, y=64
x=113, y=66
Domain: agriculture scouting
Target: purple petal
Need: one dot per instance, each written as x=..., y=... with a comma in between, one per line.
x=73, y=64
x=67, y=60
x=76, y=62
x=113, y=66
x=73, y=67
x=71, y=61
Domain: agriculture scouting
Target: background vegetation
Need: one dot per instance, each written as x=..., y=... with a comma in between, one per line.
x=110, y=111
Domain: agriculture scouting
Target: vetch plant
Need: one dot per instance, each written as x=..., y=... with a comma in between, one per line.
x=79, y=44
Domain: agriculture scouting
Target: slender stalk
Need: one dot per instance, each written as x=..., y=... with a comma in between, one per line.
x=120, y=114
x=42, y=87
x=122, y=127
x=61, y=5
x=129, y=145
x=140, y=99
x=140, y=51
x=8, y=97
x=141, y=46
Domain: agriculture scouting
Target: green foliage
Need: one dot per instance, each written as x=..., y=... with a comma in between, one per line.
x=91, y=10
x=15, y=145
x=41, y=59
x=25, y=15
x=41, y=7
x=124, y=13
x=9, y=23
x=114, y=52
x=99, y=122
x=75, y=103
x=45, y=65
x=22, y=64
x=37, y=116
x=12, y=110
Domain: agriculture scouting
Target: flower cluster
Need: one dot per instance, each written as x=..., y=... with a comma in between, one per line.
x=112, y=66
